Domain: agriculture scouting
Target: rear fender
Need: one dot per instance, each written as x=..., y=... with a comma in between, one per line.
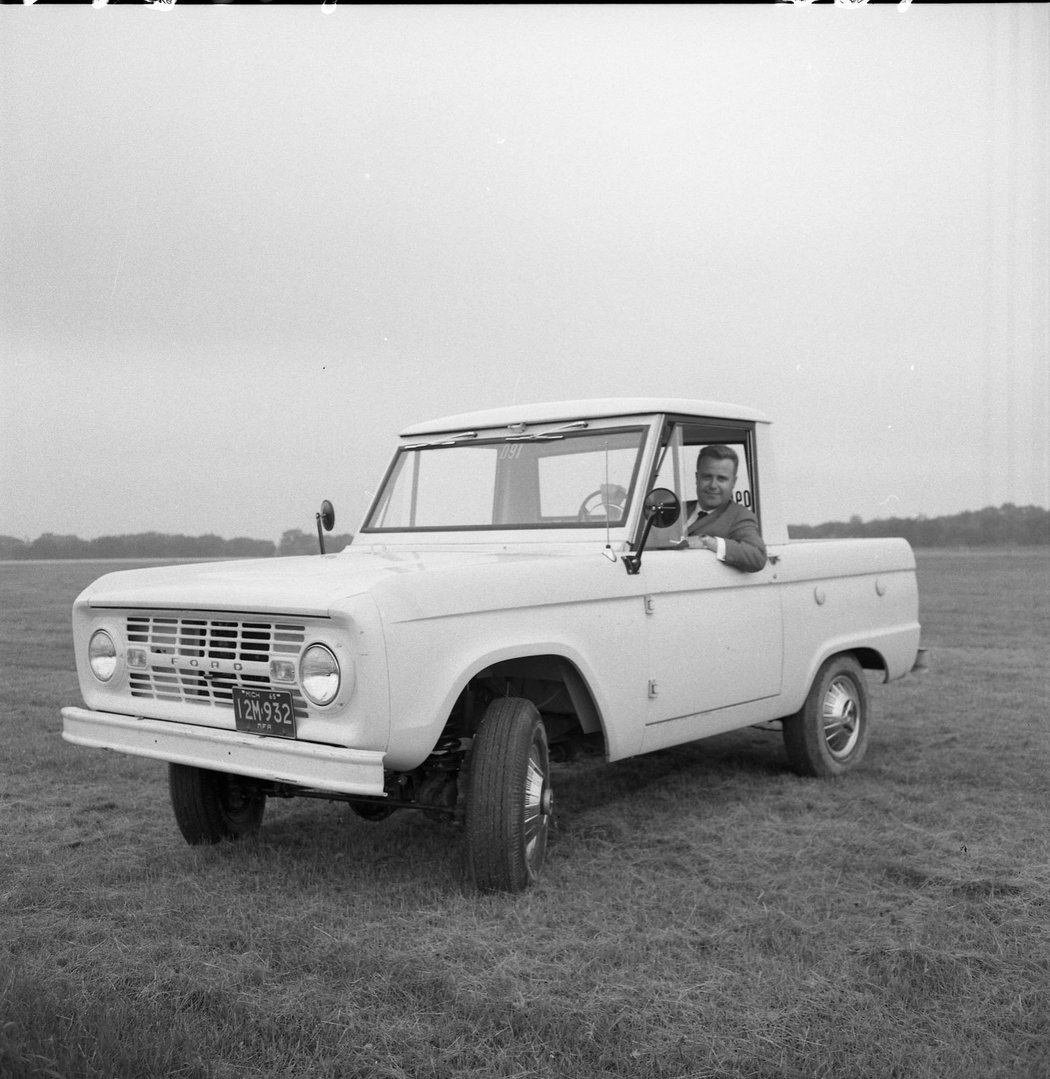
x=891, y=658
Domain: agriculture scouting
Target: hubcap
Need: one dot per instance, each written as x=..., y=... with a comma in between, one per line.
x=539, y=802
x=842, y=718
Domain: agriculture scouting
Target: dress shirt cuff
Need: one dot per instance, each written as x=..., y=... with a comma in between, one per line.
x=720, y=554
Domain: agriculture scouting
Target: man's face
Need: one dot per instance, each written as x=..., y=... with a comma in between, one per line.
x=714, y=482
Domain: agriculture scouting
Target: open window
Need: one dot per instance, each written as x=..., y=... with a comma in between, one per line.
x=680, y=448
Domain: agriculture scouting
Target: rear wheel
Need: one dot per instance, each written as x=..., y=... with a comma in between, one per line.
x=829, y=734
x=212, y=806
x=509, y=797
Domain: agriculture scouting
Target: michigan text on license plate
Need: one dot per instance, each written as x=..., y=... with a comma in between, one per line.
x=264, y=711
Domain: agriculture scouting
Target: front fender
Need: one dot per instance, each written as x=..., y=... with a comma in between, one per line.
x=430, y=670
x=582, y=683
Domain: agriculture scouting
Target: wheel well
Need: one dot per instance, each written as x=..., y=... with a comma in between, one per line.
x=869, y=659
x=553, y=684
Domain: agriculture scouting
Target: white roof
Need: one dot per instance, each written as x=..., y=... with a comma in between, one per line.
x=562, y=411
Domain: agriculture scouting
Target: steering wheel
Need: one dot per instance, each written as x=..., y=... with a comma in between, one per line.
x=608, y=502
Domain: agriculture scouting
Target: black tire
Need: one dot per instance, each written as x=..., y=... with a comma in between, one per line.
x=829, y=735
x=509, y=798
x=212, y=806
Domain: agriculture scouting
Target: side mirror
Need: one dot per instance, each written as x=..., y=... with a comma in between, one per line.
x=661, y=508
x=327, y=515
x=326, y=520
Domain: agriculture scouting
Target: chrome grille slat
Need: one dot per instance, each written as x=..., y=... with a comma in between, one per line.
x=247, y=643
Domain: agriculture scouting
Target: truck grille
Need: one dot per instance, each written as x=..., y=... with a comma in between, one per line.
x=185, y=654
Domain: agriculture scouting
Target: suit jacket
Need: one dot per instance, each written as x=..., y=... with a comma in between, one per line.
x=738, y=526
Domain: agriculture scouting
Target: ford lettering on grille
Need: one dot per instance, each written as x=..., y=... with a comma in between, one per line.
x=198, y=660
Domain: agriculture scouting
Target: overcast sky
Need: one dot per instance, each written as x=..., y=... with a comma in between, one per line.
x=242, y=247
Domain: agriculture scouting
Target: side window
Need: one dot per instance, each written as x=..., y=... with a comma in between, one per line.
x=677, y=464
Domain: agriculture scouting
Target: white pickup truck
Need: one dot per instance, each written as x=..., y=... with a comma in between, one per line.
x=521, y=589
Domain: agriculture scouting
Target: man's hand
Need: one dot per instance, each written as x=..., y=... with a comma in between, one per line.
x=703, y=543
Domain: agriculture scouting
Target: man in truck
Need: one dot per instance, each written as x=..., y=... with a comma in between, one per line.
x=715, y=522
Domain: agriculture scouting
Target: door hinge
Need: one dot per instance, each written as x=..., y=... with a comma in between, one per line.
x=650, y=604
x=654, y=688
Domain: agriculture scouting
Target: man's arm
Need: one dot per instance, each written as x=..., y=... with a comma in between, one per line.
x=744, y=547
x=736, y=541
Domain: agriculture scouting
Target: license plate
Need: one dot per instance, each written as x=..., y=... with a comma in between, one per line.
x=264, y=711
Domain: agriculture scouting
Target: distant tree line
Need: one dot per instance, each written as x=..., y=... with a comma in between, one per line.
x=142, y=545
x=148, y=545
x=1008, y=525
x=295, y=541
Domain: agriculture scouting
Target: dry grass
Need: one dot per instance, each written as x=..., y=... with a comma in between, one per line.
x=704, y=913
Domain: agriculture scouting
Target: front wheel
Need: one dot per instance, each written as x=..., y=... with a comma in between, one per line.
x=829, y=734
x=509, y=797
x=212, y=806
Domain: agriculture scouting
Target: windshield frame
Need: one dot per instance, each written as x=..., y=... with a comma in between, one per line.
x=640, y=425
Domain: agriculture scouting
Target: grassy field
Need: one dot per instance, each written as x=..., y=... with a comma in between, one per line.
x=704, y=912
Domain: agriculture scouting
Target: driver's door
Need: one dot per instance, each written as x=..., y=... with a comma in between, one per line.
x=715, y=633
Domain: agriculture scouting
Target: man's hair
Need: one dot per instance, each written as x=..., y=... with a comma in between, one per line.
x=719, y=453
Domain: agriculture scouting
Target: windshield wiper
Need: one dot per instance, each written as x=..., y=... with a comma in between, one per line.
x=537, y=436
x=445, y=442
x=519, y=435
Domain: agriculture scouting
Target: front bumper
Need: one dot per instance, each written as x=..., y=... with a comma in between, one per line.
x=282, y=760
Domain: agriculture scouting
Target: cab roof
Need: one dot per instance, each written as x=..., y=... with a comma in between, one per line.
x=597, y=408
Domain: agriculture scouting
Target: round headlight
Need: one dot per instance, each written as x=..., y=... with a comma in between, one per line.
x=102, y=655
x=319, y=674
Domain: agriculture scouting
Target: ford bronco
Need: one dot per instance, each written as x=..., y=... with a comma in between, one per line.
x=520, y=590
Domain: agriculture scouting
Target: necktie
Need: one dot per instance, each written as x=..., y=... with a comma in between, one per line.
x=699, y=520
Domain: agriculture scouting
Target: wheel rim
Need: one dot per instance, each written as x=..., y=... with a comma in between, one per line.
x=842, y=717
x=538, y=806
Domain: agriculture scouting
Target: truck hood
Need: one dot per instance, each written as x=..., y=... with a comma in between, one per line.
x=306, y=585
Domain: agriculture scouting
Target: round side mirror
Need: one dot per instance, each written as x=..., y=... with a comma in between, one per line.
x=662, y=506
x=327, y=515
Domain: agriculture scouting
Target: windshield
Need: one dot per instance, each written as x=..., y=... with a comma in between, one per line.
x=527, y=481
